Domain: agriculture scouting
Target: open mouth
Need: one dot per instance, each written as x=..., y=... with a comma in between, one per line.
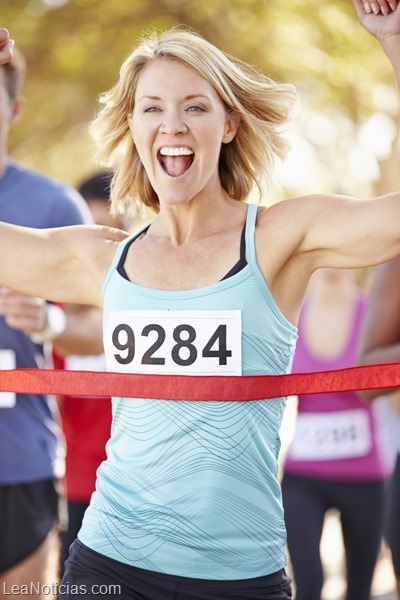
x=175, y=161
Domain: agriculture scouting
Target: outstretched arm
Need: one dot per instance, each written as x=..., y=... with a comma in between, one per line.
x=317, y=231
x=64, y=264
x=341, y=232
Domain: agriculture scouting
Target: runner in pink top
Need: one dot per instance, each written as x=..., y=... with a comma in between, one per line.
x=337, y=458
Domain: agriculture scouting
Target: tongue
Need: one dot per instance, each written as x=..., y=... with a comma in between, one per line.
x=176, y=165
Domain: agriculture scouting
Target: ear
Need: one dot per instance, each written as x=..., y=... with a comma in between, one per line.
x=231, y=126
x=16, y=109
x=130, y=124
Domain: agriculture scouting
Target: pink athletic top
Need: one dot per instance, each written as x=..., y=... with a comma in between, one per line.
x=338, y=435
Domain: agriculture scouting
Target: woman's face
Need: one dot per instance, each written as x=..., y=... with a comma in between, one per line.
x=178, y=125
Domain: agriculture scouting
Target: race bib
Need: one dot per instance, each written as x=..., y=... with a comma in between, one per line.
x=331, y=436
x=179, y=342
x=7, y=361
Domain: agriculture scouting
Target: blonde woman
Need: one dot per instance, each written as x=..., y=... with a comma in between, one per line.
x=187, y=504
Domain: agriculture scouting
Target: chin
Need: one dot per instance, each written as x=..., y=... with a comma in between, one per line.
x=179, y=199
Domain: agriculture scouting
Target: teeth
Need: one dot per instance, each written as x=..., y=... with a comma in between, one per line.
x=175, y=151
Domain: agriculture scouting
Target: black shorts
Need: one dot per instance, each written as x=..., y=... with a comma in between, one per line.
x=88, y=573
x=76, y=510
x=27, y=514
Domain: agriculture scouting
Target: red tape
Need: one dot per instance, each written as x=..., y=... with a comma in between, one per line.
x=200, y=388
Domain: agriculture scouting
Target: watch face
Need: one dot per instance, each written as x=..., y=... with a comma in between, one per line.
x=56, y=323
x=57, y=320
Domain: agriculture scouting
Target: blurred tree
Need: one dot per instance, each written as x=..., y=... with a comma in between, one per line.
x=74, y=49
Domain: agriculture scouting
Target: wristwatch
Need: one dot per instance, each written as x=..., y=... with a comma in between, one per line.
x=56, y=322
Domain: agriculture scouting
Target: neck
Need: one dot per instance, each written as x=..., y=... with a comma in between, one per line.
x=195, y=219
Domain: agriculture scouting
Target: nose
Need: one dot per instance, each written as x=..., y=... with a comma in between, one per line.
x=173, y=125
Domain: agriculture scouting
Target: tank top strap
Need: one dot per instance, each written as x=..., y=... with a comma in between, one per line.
x=120, y=252
x=250, y=233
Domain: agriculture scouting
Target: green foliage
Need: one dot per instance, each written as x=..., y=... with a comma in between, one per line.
x=74, y=49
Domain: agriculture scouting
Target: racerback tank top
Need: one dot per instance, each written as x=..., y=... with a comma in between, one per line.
x=191, y=488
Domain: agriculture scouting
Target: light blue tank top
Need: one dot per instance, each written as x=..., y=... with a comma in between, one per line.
x=191, y=488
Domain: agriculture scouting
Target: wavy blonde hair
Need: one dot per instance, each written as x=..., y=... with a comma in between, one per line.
x=264, y=107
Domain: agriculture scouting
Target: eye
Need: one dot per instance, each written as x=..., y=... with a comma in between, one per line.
x=151, y=109
x=195, y=108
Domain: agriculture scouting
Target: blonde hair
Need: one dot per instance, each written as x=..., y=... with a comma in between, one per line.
x=264, y=107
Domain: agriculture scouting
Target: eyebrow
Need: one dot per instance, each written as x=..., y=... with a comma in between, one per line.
x=190, y=97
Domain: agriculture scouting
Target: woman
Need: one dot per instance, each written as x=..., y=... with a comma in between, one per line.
x=188, y=504
x=336, y=458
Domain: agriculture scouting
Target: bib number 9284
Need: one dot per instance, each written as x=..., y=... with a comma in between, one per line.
x=182, y=342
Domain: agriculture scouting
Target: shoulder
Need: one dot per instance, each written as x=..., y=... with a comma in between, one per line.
x=298, y=205
x=286, y=217
x=297, y=217
x=91, y=245
x=102, y=246
x=281, y=230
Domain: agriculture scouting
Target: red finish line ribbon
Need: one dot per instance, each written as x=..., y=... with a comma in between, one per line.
x=200, y=388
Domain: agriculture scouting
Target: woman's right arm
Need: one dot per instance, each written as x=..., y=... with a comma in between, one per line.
x=380, y=339
x=64, y=264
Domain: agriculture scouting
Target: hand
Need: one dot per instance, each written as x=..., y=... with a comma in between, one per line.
x=6, y=46
x=25, y=313
x=379, y=18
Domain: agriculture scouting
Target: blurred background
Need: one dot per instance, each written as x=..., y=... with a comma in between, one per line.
x=349, y=113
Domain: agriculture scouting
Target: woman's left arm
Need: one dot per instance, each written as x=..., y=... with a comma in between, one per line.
x=343, y=232
x=346, y=232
